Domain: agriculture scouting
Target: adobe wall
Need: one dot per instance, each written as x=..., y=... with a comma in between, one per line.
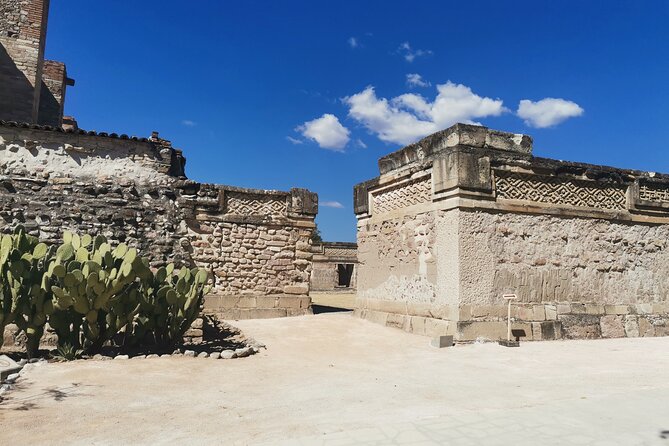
x=255, y=243
x=468, y=214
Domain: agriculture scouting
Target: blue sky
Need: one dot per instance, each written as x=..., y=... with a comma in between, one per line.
x=310, y=94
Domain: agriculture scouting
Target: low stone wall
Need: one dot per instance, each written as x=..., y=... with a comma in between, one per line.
x=255, y=243
x=468, y=214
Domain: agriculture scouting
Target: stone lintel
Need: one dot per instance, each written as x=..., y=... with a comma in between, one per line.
x=461, y=169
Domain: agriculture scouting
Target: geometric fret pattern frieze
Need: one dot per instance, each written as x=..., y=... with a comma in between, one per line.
x=237, y=203
x=407, y=194
x=560, y=191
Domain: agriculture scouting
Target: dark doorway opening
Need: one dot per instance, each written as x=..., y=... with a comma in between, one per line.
x=344, y=273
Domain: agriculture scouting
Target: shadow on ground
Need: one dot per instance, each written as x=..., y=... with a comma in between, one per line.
x=321, y=309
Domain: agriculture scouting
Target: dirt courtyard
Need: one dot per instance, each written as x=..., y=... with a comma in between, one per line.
x=333, y=379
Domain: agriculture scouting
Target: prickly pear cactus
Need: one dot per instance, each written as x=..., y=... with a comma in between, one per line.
x=98, y=283
x=170, y=303
x=26, y=288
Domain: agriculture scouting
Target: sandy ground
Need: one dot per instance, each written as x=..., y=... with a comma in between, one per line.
x=334, y=379
x=344, y=301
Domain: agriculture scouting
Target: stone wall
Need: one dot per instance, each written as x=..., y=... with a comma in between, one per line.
x=468, y=214
x=334, y=267
x=255, y=243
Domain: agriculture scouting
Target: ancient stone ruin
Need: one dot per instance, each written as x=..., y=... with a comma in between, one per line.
x=56, y=177
x=334, y=267
x=467, y=214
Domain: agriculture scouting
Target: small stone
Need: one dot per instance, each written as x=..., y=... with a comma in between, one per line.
x=176, y=352
x=23, y=362
x=442, y=341
x=122, y=357
x=11, y=379
x=243, y=352
x=33, y=360
x=138, y=357
x=203, y=355
x=215, y=355
x=97, y=357
x=189, y=353
x=152, y=356
x=228, y=354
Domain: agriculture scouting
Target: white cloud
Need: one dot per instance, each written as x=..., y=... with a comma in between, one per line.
x=188, y=123
x=416, y=80
x=353, y=42
x=327, y=131
x=547, y=112
x=294, y=140
x=409, y=53
x=407, y=118
x=360, y=143
x=332, y=204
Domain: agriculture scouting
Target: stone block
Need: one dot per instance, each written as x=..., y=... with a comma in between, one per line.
x=612, y=326
x=296, y=289
x=7, y=367
x=469, y=331
x=465, y=312
x=631, y=326
x=580, y=326
x=289, y=302
x=646, y=328
x=400, y=321
x=462, y=169
x=305, y=302
x=643, y=308
x=388, y=306
x=594, y=309
x=247, y=302
x=262, y=313
x=524, y=313
x=551, y=312
x=489, y=311
x=419, y=309
x=266, y=301
x=438, y=327
x=538, y=313
x=616, y=309
x=442, y=341
x=660, y=308
x=577, y=308
x=563, y=309
x=418, y=325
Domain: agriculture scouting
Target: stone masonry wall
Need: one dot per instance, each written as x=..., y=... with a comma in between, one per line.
x=255, y=243
x=577, y=278
x=328, y=257
x=466, y=215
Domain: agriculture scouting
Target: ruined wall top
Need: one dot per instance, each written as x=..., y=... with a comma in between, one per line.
x=458, y=135
x=474, y=167
x=54, y=152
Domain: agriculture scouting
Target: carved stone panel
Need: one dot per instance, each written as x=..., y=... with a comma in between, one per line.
x=560, y=191
x=654, y=193
x=238, y=203
x=403, y=195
